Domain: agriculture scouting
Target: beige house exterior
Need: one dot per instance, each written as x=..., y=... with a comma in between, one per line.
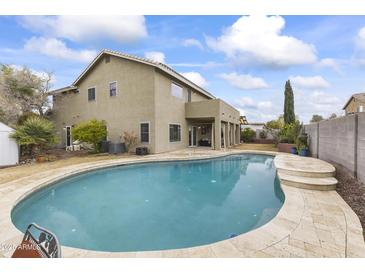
x=355, y=104
x=165, y=110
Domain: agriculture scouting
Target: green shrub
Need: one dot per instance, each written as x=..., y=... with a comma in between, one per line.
x=248, y=135
x=290, y=132
x=130, y=140
x=92, y=132
x=26, y=116
x=35, y=133
x=274, y=127
x=263, y=134
x=302, y=142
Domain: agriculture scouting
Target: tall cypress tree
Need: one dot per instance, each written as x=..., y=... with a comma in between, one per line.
x=289, y=115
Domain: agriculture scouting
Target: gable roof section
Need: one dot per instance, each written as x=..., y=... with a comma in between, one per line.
x=357, y=96
x=157, y=65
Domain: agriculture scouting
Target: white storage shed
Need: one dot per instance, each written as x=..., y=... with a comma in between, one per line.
x=9, y=149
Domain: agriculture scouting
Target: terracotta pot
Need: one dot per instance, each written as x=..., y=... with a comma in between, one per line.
x=285, y=147
x=41, y=158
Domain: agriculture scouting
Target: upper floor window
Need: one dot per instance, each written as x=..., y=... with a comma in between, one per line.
x=189, y=95
x=91, y=94
x=175, y=133
x=360, y=108
x=113, y=88
x=176, y=90
x=145, y=132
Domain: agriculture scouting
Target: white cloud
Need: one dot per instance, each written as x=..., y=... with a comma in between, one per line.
x=359, y=55
x=192, y=43
x=360, y=38
x=246, y=102
x=264, y=104
x=256, y=111
x=78, y=28
x=313, y=82
x=329, y=63
x=317, y=102
x=155, y=56
x=38, y=73
x=57, y=48
x=196, y=78
x=258, y=39
x=207, y=65
x=244, y=81
x=323, y=98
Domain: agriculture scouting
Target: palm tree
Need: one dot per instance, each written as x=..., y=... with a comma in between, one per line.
x=36, y=133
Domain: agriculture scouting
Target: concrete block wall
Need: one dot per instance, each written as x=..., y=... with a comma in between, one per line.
x=312, y=131
x=361, y=147
x=340, y=140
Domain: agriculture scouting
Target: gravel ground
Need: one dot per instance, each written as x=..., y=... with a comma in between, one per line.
x=352, y=191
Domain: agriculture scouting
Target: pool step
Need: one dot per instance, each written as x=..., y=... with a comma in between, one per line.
x=303, y=166
x=315, y=183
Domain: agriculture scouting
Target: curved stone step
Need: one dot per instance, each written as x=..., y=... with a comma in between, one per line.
x=303, y=166
x=328, y=183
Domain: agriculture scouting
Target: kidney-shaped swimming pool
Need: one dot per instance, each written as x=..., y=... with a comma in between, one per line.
x=157, y=206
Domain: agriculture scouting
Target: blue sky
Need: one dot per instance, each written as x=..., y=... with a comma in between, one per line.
x=245, y=60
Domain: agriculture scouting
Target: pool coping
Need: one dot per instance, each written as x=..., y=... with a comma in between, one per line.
x=249, y=244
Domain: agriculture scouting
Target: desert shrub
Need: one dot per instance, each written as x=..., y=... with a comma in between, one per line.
x=25, y=117
x=290, y=132
x=130, y=140
x=274, y=127
x=248, y=135
x=92, y=132
x=263, y=134
x=302, y=142
x=36, y=134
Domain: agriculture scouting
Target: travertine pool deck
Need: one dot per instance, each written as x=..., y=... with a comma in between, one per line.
x=311, y=223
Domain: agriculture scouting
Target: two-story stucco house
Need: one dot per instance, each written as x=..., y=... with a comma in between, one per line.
x=167, y=111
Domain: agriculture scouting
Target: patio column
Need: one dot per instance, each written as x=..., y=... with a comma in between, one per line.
x=212, y=140
x=217, y=134
x=237, y=139
x=226, y=144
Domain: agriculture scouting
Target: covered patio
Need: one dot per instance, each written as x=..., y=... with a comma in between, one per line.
x=212, y=123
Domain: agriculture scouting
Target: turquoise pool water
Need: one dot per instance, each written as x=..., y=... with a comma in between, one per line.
x=157, y=206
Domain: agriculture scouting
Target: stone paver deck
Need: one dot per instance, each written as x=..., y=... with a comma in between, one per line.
x=311, y=223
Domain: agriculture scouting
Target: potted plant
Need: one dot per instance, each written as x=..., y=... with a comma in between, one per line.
x=302, y=145
x=294, y=150
x=287, y=136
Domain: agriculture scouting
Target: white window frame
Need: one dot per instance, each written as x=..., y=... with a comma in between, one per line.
x=182, y=91
x=116, y=88
x=168, y=133
x=360, y=108
x=88, y=94
x=149, y=132
x=71, y=141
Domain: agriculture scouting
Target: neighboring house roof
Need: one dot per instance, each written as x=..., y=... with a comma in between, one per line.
x=157, y=65
x=256, y=124
x=357, y=96
x=243, y=120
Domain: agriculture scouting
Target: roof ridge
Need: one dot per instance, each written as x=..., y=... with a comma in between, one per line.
x=161, y=66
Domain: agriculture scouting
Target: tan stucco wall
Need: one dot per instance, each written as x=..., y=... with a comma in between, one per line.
x=225, y=117
x=143, y=95
x=171, y=110
x=133, y=104
x=353, y=105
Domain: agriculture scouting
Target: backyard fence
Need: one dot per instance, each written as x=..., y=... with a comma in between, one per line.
x=340, y=140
